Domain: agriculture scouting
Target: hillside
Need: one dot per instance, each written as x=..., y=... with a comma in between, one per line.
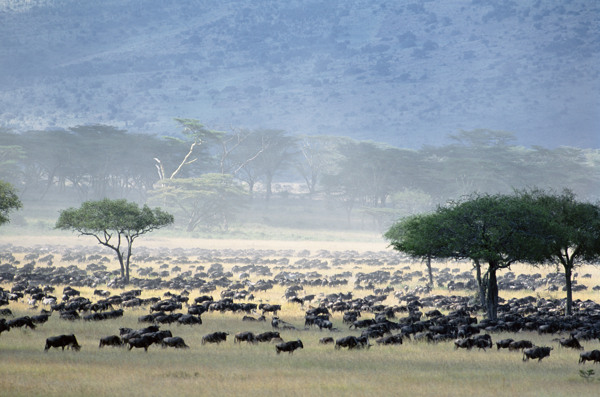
x=389, y=71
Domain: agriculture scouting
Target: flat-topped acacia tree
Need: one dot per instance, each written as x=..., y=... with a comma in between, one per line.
x=115, y=224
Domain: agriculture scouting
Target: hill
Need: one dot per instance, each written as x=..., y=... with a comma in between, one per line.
x=389, y=71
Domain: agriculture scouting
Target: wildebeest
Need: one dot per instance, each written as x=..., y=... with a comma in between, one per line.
x=504, y=343
x=62, y=341
x=352, y=342
x=112, y=340
x=520, y=345
x=215, y=337
x=327, y=340
x=24, y=321
x=289, y=346
x=572, y=343
x=3, y=325
x=538, y=352
x=268, y=336
x=265, y=307
x=246, y=336
x=143, y=341
x=175, y=341
x=390, y=340
x=592, y=355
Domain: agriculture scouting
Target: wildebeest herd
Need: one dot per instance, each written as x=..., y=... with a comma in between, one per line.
x=387, y=306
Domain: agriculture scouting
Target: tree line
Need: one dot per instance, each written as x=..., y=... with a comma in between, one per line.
x=206, y=176
x=494, y=232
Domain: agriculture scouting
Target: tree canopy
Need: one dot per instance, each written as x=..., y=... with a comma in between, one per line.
x=115, y=224
x=9, y=201
x=496, y=230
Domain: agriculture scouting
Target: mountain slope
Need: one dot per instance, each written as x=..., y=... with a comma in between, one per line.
x=405, y=74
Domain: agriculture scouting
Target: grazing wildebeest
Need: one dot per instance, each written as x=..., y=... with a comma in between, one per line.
x=246, y=336
x=112, y=340
x=215, y=337
x=143, y=341
x=390, y=340
x=536, y=352
x=62, y=341
x=352, y=342
x=327, y=340
x=504, y=343
x=289, y=346
x=520, y=345
x=265, y=307
x=175, y=341
x=24, y=321
x=572, y=343
x=592, y=355
x=3, y=325
x=268, y=336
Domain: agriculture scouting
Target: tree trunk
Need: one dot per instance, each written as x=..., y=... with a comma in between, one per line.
x=492, y=294
x=480, y=283
x=569, y=286
x=429, y=270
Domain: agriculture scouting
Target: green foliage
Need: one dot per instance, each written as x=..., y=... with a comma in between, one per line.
x=115, y=224
x=9, y=201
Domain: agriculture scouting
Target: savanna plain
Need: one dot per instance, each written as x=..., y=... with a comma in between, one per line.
x=414, y=368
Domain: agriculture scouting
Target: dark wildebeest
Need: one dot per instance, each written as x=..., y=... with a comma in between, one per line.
x=390, y=340
x=215, y=337
x=112, y=340
x=265, y=307
x=3, y=325
x=572, y=343
x=62, y=341
x=520, y=345
x=268, y=336
x=175, y=341
x=24, y=321
x=592, y=355
x=504, y=343
x=246, y=336
x=289, y=346
x=352, y=342
x=536, y=352
x=143, y=341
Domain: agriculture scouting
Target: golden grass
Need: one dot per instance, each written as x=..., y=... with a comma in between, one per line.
x=412, y=369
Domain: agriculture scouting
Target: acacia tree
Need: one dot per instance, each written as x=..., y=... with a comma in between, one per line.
x=420, y=236
x=495, y=230
x=9, y=201
x=115, y=224
x=574, y=230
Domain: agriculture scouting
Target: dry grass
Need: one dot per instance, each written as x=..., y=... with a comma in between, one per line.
x=415, y=369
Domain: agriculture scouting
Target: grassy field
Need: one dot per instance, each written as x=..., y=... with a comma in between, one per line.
x=412, y=369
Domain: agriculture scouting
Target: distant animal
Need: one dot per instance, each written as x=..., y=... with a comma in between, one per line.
x=215, y=337
x=268, y=336
x=536, y=352
x=390, y=340
x=352, y=342
x=504, y=343
x=289, y=346
x=592, y=355
x=112, y=340
x=24, y=321
x=520, y=345
x=175, y=341
x=143, y=341
x=246, y=336
x=572, y=343
x=62, y=341
x=327, y=340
